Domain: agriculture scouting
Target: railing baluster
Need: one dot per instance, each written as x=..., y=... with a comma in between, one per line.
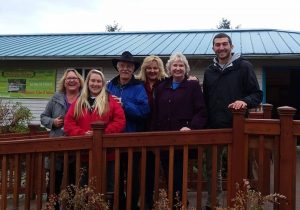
x=171, y=176
x=28, y=181
x=104, y=170
x=39, y=180
x=65, y=180
x=129, y=179
x=229, y=172
x=157, y=174
x=261, y=167
x=117, y=179
x=185, y=175
x=52, y=173
x=143, y=178
x=78, y=166
x=17, y=178
x=276, y=164
x=4, y=182
x=199, y=176
x=214, y=180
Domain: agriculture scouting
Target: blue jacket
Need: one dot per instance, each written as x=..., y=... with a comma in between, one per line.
x=134, y=101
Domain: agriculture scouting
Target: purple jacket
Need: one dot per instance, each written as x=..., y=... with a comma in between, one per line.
x=182, y=107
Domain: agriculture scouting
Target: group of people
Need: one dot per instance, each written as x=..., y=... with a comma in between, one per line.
x=154, y=100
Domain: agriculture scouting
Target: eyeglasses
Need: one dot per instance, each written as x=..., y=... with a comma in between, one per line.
x=71, y=78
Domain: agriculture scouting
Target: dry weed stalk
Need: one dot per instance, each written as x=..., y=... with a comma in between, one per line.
x=248, y=199
x=78, y=197
x=163, y=202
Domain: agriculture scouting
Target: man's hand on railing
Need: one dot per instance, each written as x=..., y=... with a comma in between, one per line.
x=238, y=105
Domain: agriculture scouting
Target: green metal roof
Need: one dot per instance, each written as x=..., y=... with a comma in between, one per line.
x=252, y=43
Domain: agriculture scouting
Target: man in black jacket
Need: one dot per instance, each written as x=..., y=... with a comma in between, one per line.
x=229, y=82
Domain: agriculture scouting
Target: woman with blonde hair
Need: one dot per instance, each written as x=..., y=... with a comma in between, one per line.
x=151, y=73
x=94, y=104
x=69, y=88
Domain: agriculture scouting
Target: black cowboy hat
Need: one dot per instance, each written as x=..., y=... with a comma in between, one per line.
x=126, y=57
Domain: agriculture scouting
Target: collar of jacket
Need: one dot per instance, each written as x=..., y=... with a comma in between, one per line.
x=59, y=97
x=234, y=57
x=183, y=83
x=132, y=81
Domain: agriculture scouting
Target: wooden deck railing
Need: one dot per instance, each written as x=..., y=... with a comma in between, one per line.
x=263, y=140
x=32, y=133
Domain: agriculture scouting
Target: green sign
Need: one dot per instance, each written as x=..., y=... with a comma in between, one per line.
x=27, y=83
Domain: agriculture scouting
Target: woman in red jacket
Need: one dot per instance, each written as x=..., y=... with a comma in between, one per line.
x=95, y=104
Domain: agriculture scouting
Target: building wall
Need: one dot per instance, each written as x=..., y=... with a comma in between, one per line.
x=197, y=69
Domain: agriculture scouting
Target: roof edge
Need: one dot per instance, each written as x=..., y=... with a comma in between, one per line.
x=149, y=32
x=39, y=58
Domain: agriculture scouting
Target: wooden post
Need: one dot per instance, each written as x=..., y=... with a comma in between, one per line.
x=33, y=128
x=97, y=156
x=267, y=111
x=239, y=151
x=287, y=157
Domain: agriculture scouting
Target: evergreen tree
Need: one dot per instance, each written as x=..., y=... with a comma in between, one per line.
x=224, y=24
x=115, y=27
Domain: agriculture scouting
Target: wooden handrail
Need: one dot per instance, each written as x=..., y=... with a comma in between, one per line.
x=262, y=135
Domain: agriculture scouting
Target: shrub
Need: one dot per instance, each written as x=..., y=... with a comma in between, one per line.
x=163, y=202
x=78, y=197
x=247, y=198
x=14, y=117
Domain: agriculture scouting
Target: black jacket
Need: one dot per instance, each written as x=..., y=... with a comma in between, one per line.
x=237, y=81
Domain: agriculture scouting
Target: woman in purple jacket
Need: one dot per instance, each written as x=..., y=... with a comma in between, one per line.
x=178, y=105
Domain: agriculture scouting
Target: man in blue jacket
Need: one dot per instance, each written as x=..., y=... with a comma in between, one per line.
x=133, y=97
x=229, y=82
x=130, y=92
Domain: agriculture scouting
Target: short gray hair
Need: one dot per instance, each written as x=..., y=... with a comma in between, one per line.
x=178, y=56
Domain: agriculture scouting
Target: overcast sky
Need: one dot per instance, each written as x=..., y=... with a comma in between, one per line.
x=68, y=16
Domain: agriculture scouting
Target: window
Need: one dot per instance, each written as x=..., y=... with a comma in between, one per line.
x=85, y=70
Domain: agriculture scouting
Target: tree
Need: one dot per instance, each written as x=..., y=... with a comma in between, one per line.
x=14, y=117
x=115, y=27
x=224, y=24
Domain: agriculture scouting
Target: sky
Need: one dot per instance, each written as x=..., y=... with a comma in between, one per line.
x=91, y=16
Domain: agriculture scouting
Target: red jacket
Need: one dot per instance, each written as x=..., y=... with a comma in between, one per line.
x=115, y=119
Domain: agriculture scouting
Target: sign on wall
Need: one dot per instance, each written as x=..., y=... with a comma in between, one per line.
x=27, y=83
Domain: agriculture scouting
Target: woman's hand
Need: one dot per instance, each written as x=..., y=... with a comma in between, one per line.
x=58, y=122
x=185, y=129
x=88, y=133
x=119, y=100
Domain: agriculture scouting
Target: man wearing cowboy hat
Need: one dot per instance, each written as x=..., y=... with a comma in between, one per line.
x=133, y=97
x=129, y=91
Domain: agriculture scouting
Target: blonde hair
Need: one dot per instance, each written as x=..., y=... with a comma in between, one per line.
x=147, y=61
x=101, y=101
x=61, y=83
x=178, y=57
